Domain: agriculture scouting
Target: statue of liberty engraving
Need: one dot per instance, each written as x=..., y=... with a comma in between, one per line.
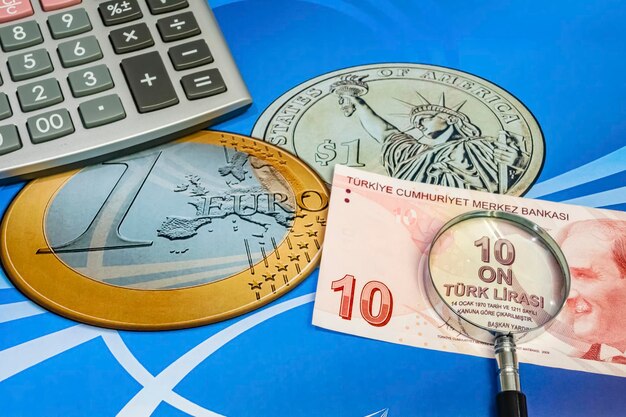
x=450, y=149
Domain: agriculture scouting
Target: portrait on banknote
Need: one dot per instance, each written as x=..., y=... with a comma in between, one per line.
x=378, y=240
x=594, y=315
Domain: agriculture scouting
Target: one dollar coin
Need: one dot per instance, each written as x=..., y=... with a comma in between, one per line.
x=413, y=122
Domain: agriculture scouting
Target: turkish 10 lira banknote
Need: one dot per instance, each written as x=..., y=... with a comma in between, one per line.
x=372, y=275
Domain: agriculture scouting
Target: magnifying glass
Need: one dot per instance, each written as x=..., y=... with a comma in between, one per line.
x=497, y=278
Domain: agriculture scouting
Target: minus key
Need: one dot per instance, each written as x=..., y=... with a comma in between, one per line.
x=190, y=55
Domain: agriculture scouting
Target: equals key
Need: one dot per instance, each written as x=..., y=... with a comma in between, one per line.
x=203, y=84
x=190, y=55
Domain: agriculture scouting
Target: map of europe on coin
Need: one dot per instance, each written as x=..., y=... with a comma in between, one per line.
x=191, y=232
x=413, y=122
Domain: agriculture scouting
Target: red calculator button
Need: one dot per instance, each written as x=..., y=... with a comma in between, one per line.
x=14, y=9
x=49, y=5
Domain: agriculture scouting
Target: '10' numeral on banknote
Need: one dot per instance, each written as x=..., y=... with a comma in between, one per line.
x=347, y=284
x=504, y=252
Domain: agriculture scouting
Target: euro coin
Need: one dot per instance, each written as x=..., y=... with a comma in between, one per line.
x=192, y=232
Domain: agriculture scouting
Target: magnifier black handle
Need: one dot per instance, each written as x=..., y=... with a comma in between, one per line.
x=511, y=404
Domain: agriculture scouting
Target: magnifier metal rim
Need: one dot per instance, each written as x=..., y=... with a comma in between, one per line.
x=522, y=223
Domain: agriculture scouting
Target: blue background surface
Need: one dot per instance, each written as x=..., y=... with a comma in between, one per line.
x=565, y=60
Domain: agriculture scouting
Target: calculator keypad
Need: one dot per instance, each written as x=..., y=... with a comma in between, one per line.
x=149, y=82
x=20, y=36
x=131, y=38
x=49, y=5
x=5, y=107
x=11, y=10
x=116, y=11
x=190, y=55
x=49, y=126
x=69, y=23
x=166, y=6
x=175, y=28
x=9, y=139
x=73, y=67
x=40, y=94
x=29, y=64
x=203, y=84
x=79, y=51
x=90, y=80
x=101, y=111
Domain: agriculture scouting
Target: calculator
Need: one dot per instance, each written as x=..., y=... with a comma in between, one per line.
x=85, y=80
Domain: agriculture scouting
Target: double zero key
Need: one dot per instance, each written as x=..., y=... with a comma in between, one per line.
x=149, y=83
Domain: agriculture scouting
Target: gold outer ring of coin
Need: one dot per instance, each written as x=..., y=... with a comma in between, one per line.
x=50, y=283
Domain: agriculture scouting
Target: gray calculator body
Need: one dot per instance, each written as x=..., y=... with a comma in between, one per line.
x=154, y=91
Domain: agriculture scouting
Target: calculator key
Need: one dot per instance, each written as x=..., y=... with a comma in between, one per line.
x=9, y=139
x=29, y=65
x=190, y=55
x=48, y=126
x=116, y=11
x=20, y=36
x=40, y=94
x=11, y=10
x=70, y=23
x=90, y=81
x=5, y=107
x=203, y=84
x=79, y=51
x=178, y=27
x=165, y=6
x=131, y=38
x=149, y=83
x=49, y=5
x=101, y=111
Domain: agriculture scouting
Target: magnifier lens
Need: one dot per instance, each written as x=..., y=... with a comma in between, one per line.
x=497, y=275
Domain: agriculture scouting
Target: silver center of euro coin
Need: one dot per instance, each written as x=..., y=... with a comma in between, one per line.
x=177, y=216
x=414, y=122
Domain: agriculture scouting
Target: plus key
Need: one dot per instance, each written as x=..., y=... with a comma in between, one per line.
x=149, y=83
